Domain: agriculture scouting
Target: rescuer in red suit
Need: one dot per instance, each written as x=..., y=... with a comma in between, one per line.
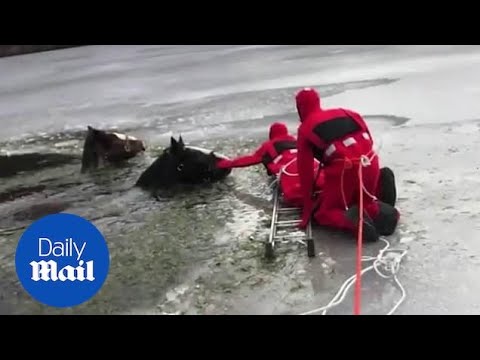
x=275, y=153
x=339, y=138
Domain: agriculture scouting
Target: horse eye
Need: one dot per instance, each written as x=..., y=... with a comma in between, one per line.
x=180, y=167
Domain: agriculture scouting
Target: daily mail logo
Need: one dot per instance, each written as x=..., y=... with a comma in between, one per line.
x=62, y=260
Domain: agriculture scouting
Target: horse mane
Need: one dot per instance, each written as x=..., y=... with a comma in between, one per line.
x=207, y=152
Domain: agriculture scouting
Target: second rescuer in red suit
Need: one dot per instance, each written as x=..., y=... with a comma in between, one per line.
x=338, y=138
x=278, y=151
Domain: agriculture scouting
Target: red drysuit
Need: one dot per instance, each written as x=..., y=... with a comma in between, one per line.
x=277, y=152
x=273, y=153
x=290, y=183
x=333, y=136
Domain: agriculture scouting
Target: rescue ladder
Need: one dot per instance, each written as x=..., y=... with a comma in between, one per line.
x=284, y=224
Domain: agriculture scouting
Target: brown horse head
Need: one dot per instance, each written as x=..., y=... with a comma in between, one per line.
x=102, y=147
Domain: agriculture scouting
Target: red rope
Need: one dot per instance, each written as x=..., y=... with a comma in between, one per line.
x=358, y=281
x=358, y=271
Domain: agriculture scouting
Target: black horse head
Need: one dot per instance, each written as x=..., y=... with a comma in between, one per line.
x=102, y=146
x=182, y=165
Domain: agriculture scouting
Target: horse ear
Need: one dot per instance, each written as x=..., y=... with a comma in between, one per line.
x=92, y=131
x=180, y=141
x=175, y=145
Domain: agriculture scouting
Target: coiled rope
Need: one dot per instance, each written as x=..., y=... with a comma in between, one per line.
x=386, y=264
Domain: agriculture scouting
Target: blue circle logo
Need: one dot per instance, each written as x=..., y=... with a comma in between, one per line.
x=62, y=260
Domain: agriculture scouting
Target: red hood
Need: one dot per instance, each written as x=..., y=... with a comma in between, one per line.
x=278, y=130
x=307, y=101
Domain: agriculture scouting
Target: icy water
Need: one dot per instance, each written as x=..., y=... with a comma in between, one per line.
x=201, y=252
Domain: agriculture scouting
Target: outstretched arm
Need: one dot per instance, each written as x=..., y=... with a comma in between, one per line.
x=305, y=172
x=243, y=161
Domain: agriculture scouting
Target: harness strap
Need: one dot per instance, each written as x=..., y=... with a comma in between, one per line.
x=330, y=150
x=364, y=161
x=127, y=144
x=280, y=157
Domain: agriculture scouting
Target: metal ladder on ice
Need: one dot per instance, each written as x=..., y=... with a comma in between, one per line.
x=284, y=224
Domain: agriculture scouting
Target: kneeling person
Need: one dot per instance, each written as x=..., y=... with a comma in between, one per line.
x=339, y=139
x=277, y=153
x=274, y=153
